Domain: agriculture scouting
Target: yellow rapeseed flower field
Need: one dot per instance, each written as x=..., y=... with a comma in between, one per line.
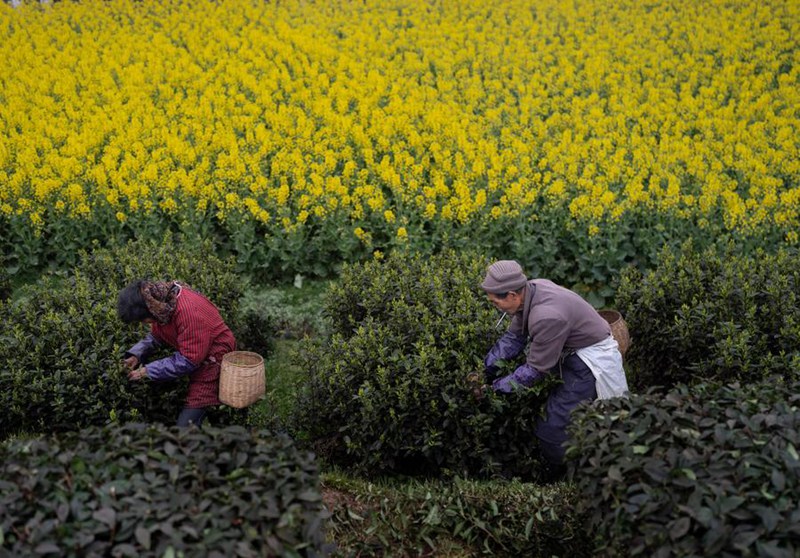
x=390, y=116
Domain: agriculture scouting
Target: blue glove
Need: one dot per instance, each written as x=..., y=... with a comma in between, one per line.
x=508, y=346
x=525, y=376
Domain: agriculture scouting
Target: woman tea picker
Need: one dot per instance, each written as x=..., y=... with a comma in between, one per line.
x=566, y=336
x=189, y=323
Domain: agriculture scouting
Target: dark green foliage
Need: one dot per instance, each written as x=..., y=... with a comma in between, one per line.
x=256, y=332
x=700, y=471
x=715, y=314
x=169, y=259
x=388, y=392
x=62, y=345
x=136, y=490
x=454, y=518
x=5, y=282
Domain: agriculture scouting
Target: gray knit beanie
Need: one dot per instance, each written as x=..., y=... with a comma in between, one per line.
x=503, y=276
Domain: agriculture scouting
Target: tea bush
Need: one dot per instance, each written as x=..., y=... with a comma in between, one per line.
x=62, y=347
x=136, y=490
x=255, y=331
x=454, y=518
x=700, y=471
x=171, y=258
x=712, y=314
x=196, y=264
x=5, y=282
x=387, y=392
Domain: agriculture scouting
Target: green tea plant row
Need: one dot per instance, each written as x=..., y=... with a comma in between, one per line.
x=713, y=314
x=699, y=460
x=454, y=517
x=699, y=471
x=387, y=392
x=62, y=349
x=136, y=490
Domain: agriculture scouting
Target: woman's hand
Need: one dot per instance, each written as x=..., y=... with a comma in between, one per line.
x=131, y=362
x=138, y=374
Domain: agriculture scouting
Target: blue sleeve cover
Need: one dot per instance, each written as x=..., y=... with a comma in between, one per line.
x=144, y=347
x=170, y=368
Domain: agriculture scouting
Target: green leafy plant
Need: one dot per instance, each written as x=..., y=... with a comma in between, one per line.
x=458, y=517
x=700, y=471
x=387, y=392
x=62, y=349
x=256, y=332
x=714, y=314
x=137, y=490
x=5, y=282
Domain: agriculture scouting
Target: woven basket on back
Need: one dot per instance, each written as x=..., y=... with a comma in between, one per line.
x=619, y=329
x=241, y=379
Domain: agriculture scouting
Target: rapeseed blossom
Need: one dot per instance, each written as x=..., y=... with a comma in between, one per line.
x=375, y=113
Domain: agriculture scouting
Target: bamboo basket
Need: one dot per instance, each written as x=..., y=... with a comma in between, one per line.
x=241, y=379
x=619, y=329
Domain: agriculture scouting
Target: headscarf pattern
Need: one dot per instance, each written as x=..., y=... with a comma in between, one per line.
x=161, y=298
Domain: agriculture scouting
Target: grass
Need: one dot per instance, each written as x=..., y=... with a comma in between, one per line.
x=295, y=311
x=296, y=308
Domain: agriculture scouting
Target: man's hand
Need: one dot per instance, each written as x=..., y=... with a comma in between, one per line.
x=138, y=374
x=131, y=362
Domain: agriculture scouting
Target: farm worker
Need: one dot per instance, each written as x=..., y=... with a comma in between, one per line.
x=189, y=323
x=565, y=335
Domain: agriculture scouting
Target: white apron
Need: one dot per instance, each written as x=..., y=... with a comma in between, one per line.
x=605, y=362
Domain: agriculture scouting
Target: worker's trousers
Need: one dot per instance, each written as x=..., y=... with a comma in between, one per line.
x=578, y=386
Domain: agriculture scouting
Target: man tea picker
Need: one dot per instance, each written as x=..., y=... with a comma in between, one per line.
x=566, y=336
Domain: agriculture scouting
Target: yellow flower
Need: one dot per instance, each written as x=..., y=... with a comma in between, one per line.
x=75, y=193
x=402, y=234
x=315, y=129
x=169, y=205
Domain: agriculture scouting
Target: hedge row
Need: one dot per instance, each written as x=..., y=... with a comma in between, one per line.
x=136, y=490
x=62, y=347
x=5, y=281
x=453, y=518
x=700, y=471
x=387, y=392
x=715, y=314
